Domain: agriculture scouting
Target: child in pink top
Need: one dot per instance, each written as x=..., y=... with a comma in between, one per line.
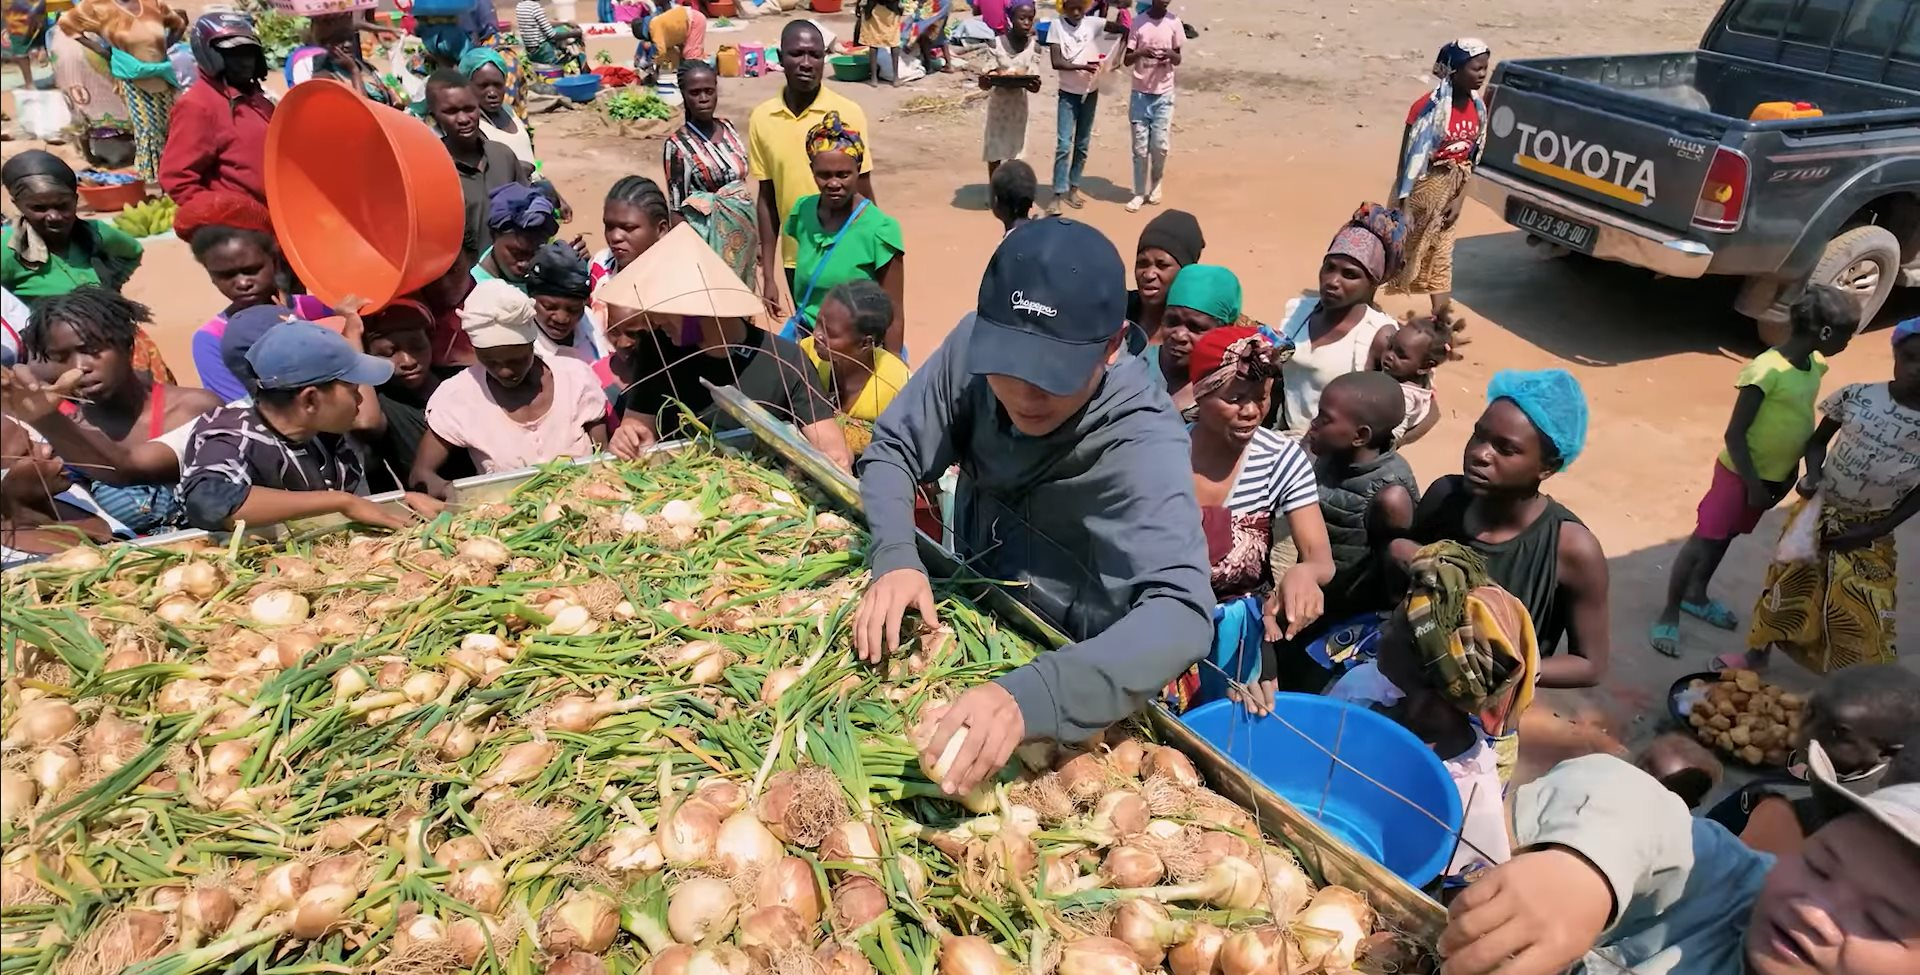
x=1153, y=52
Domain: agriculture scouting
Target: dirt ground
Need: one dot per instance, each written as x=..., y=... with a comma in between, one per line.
x=1289, y=115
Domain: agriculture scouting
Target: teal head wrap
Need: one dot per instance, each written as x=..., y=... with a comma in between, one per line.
x=479, y=57
x=1209, y=289
x=1552, y=399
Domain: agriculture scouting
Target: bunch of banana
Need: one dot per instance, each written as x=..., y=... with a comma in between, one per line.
x=147, y=218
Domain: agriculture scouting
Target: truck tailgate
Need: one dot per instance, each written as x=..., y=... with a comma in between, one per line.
x=1621, y=151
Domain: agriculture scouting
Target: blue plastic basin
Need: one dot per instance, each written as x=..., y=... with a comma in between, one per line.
x=1372, y=821
x=579, y=87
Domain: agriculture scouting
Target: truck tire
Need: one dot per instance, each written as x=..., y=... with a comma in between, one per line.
x=1864, y=262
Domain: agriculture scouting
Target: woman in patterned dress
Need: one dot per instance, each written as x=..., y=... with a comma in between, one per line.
x=706, y=167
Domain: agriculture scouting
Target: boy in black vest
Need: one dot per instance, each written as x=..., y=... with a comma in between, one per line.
x=1367, y=491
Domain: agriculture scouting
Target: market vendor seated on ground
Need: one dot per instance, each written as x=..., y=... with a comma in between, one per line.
x=1069, y=459
x=287, y=456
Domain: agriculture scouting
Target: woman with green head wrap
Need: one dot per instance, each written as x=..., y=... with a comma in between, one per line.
x=492, y=79
x=1203, y=297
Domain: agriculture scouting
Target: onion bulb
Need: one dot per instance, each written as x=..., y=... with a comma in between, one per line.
x=345, y=869
x=852, y=842
x=768, y=931
x=482, y=886
x=1256, y=951
x=1127, y=758
x=971, y=955
x=1083, y=777
x=184, y=695
x=576, y=963
x=836, y=959
x=520, y=763
x=281, y=888
x=18, y=791
x=1098, y=956
x=1145, y=927
x=125, y=938
x=1287, y=886
x=470, y=937
x=1232, y=883
x=1130, y=866
x=1121, y=814
x=701, y=910
x=584, y=920
x=41, y=721
x=721, y=959
x=321, y=909
x=200, y=580
x=460, y=851
x=278, y=607
x=790, y=883
x=1172, y=763
x=571, y=620
x=485, y=550
x=488, y=644
x=227, y=757
x=54, y=768
x=578, y=713
x=1199, y=954
x=688, y=834
x=725, y=795
x=681, y=514
x=913, y=874
x=779, y=681
x=453, y=741
x=80, y=558
x=346, y=831
x=1330, y=929
x=177, y=609
x=743, y=847
x=857, y=900
x=421, y=928
x=204, y=911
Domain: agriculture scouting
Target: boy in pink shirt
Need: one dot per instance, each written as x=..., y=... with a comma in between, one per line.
x=1153, y=52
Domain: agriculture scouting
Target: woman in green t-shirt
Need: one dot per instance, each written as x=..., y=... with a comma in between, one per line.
x=52, y=251
x=841, y=235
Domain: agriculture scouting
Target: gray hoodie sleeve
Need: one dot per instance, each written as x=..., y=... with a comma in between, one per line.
x=912, y=444
x=1147, y=539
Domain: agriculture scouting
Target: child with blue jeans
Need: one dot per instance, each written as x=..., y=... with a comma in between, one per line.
x=1075, y=41
x=1153, y=52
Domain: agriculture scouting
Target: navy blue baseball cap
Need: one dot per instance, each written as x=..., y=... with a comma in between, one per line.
x=1054, y=295
x=295, y=354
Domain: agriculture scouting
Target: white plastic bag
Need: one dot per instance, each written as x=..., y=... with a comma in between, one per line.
x=43, y=115
x=1800, y=542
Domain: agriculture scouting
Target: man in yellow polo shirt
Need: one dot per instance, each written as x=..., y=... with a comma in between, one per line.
x=777, y=145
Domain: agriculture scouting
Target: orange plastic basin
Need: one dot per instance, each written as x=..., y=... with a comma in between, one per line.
x=365, y=198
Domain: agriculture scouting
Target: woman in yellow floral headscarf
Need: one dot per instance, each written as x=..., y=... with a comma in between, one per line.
x=840, y=235
x=862, y=376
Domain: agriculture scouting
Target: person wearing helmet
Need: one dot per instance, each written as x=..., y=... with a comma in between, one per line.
x=217, y=142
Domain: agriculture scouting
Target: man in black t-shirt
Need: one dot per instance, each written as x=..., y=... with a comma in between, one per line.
x=662, y=373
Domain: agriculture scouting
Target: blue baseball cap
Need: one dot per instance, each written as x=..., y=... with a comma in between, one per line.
x=1053, y=297
x=295, y=354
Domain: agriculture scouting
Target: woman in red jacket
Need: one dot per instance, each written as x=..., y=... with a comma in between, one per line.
x=218, y=139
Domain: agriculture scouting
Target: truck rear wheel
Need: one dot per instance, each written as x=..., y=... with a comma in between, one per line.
x=1865, y=263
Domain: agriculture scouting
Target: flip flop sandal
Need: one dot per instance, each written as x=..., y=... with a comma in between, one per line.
x=1665, y=639
x=1713, y=613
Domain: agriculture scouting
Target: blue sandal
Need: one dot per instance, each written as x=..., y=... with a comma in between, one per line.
x=1713, y=613
x=1665, y=639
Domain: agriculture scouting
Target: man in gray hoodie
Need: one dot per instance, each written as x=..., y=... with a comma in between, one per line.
x=1073, y=482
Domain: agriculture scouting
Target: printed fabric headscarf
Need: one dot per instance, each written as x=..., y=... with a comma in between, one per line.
x=1454, y=55
x=1225, y=355
x=1474, y=639
x=1375, y=237
x=212, y=29
x=1553, y=402
x=1209, y=289
x=834, y=135
x=558, y=271
x=517, y=207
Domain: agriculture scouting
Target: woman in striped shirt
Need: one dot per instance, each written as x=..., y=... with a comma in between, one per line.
x=706, y=167
x=1245, y=476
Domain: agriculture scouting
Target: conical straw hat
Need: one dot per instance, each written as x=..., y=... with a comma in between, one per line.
x=681, y=275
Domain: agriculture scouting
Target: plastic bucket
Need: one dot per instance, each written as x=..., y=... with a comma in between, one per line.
x=1280, y=751
x=378, y=222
